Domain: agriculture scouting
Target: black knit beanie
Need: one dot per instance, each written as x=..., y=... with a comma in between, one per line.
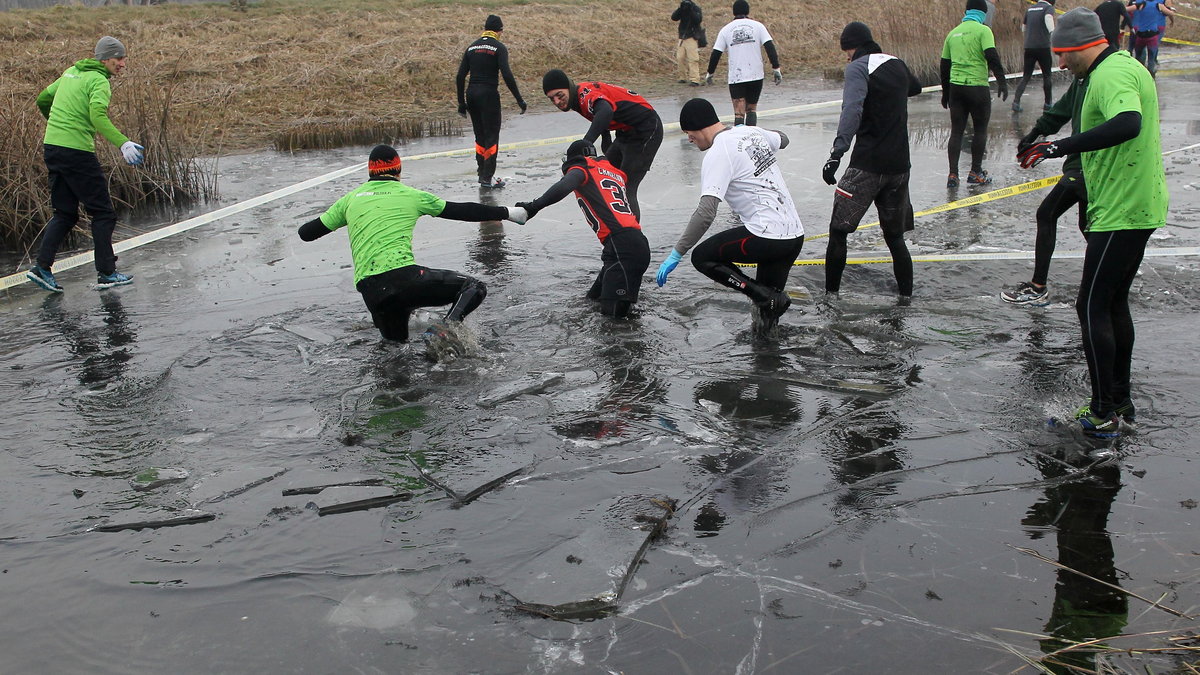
x=383, y=161
x=493, y=23
x=741, y=8
x=555, y=79
x=697, y=114
x=976, y=4
x=855, y=35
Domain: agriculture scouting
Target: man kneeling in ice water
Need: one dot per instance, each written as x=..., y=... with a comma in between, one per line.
x=381, y=215
x=600, y=189
x=741, y=169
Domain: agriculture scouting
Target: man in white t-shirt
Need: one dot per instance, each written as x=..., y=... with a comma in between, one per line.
x=741, y=170
x=741, y=38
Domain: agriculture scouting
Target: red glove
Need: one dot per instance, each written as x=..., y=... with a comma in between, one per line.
x=1034, y=154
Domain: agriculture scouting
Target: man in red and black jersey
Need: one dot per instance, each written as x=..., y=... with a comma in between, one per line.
x=612, y=108
x=602, y=193
x=486, y=60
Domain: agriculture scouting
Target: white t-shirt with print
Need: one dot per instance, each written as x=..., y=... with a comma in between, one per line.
x=740, y=169
x=741, y=40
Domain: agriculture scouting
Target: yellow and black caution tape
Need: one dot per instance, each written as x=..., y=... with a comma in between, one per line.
x=973, y=200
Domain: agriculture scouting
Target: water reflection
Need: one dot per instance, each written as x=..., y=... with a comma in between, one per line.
x=862, y=449
x=1083, y=609
x=635, y=396
x=753, y=404
x=489, y=250
x=102, y=354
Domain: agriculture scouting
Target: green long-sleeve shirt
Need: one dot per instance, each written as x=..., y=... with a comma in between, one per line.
x=76, y=107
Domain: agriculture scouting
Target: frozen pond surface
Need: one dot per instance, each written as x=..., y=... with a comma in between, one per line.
x=850, y=496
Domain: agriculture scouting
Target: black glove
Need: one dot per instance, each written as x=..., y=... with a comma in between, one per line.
x=945, y=99
x=1026, y=141
x=1037, y=152
x=529, y=208
x=523, y=105
x=462, y=109
x=1002, y=89
x=831, y=167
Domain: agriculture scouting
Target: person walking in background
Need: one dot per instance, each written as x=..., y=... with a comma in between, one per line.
x=1070, y=190
x=380, y=216
x=1120, y=145
x=875, y=111
x=967, y=53
x=486, y=60
x=1114, y=17
x=612, y=108
x=1149, y=22
x=76, y=109
x=687, y=54
x=599, y=189
x=742, y=38
x=742, y=170
x=1038, y=25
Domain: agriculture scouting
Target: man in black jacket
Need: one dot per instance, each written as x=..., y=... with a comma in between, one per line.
x=486, y=60
x=687, y=55
x=875, y=110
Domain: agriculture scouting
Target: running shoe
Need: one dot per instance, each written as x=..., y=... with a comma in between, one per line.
x=1125, y=411
x=952, y=180
x=1016, y=106
x=1027, y=294
x=978, y=178
x=43, y=277
x=104, y=281
x=1101, y=427
x=493, y=183
x=1046, y=107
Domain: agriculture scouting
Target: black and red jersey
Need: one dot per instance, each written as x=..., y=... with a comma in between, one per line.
x=631, y=112
x=602, y=197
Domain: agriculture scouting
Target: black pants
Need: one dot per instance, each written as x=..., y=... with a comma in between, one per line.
x=633, y=155
x=714, y=257
x=1109, y=266
x=976, y=103
x=1044, y=60
x=1067, y=192
x=855, y=193
x=75, y=179
x=392, y=296
x=623, y=262
x=483, y=103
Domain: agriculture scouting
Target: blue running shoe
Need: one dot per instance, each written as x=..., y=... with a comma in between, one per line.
x=43, y=277
x=104, y=281
x=1096, y=426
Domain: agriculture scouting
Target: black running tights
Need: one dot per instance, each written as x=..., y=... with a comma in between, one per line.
x=1109, y=266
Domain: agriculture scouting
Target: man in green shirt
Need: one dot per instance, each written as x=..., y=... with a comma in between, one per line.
x=380, y=216
x=1120, y=146
x=967, y=53
x=76, y=109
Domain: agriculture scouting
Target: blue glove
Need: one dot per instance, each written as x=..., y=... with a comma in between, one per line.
x=667, y=266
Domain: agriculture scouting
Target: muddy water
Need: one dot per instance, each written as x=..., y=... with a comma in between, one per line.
x=849, y=496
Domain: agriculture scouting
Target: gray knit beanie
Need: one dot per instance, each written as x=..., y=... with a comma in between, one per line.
x=1077, y=30
x=109, y=47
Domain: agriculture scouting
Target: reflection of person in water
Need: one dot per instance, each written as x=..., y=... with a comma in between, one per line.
x=104, y=352
x=860, y=451
x=1083, y=609
x=756, y=399
x=489, y=250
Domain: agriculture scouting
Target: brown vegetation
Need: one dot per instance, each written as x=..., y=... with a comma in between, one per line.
x=211, y=79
